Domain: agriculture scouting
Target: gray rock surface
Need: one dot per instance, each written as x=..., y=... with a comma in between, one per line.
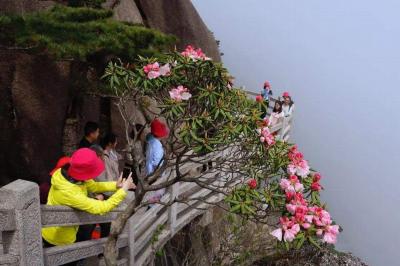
x=180, y=18
x=310, y=256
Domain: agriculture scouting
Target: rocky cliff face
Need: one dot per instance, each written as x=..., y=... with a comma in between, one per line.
x=35, y=90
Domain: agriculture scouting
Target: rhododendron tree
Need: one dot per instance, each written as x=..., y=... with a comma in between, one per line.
x=262, y=175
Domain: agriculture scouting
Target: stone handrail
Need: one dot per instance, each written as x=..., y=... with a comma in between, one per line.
x=22, y=217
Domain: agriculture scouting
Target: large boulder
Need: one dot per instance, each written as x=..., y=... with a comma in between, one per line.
x=124, y=10
x=180, y=18
x=35, y=96
x=36, y=101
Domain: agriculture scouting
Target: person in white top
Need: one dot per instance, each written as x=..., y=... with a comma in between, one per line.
x=111, y=157
x=276, y=115
x=288, y=104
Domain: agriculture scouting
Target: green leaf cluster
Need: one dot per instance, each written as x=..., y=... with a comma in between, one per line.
x=82, y=34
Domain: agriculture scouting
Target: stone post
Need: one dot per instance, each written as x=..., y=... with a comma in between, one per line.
x=131, y=241
x=25, y=241
x=173, y=209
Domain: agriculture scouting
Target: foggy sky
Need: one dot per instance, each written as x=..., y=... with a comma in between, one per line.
x=341, y=62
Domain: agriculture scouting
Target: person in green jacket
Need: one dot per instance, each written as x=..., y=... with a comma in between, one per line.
x=70, y=187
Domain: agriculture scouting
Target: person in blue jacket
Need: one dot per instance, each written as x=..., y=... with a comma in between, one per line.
x=266, y=93
x=155, y=153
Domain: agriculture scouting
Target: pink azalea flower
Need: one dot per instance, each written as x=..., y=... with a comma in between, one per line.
x=252, y=183
x=175, y=95
x=154, y=70
x=299, y=168
x=291, y=233
x=259, y=98
x=308, y=218
x=277, y=233
x=315, y=186
x=291, y=208
x=292, y=185
x=165, y=70
x=297, y=206
x=331, y=232
x=194, y=54
x=317, y=177
x=267, y=137
x=186, y=96
x=284, y=184
x=151, y=67
x=320, y=216
x=153, y=74
x=180, y=93
x=289, y=230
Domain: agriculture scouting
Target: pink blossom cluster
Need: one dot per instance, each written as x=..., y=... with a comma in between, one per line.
x=303, y=216
x=195, y=54
x=291, y=185
x=289, y=229
x=180, y=93
x=322, y=219
x=298, y=165
x=300, y=214
x=266, y=136
x=154, y=70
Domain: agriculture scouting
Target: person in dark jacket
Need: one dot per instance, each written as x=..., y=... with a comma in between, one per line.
x=92, y=132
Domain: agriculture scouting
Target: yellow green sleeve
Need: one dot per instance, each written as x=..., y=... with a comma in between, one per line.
x=100, y=187
x=94, y=206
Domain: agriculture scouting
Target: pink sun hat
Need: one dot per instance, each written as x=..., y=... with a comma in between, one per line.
x=286, y=94
x=85, y=165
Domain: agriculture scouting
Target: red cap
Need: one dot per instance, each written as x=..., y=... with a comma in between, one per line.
x=85, y=165
x=159, y=129
x=61, y=163
x=286, y=94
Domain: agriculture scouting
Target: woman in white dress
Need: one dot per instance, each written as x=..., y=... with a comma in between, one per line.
x=276, y=115
x=288, y=104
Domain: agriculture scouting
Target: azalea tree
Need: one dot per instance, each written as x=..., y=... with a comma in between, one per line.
x=258, y=174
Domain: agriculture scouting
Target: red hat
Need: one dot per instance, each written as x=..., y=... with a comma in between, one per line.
x=61, y=163
x=85, y=165
x=286, y=94
x=159, y=129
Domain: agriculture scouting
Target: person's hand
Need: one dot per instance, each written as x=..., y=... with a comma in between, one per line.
x=99, y=197
x=128, y=183
x=119, y=181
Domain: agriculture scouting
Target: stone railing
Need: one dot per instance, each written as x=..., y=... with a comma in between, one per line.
x=22, y=217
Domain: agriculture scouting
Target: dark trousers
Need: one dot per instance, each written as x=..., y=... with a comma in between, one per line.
x=85, y=231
